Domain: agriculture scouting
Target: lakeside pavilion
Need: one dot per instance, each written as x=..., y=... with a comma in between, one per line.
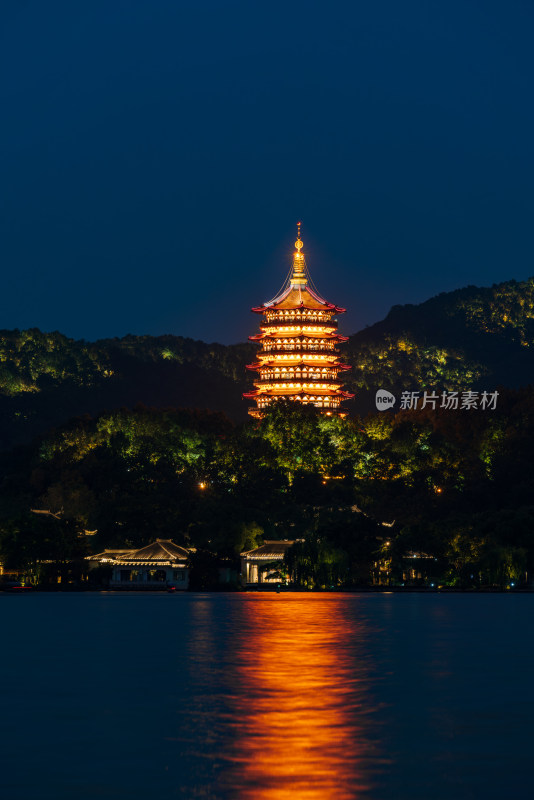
x=261, y=565
x=159, y=565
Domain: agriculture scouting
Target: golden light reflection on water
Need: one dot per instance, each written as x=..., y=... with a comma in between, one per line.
x=300, y=702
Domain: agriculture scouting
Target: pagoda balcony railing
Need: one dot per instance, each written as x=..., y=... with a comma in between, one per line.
x=281, y=383
x=292, y=376
x=297, y=320
x=300, y=347
x=322, y=324
x=297, y=313
x=319, y=402
x=293, y=336
x=283, y=387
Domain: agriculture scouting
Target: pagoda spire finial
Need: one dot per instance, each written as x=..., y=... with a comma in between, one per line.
x=298, y=278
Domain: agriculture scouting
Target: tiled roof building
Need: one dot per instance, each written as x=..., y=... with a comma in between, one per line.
x=161, y=564
x=261, y=565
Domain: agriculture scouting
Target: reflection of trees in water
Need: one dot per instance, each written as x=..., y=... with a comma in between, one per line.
x=299, y=705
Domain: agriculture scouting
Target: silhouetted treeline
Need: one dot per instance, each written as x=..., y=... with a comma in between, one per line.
x=453, y=486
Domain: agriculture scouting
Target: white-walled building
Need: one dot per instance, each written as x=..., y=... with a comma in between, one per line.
x=261, y=564
x=161, y=564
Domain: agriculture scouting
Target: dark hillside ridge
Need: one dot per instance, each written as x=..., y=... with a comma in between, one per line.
x=46, y=378
x=471, y=338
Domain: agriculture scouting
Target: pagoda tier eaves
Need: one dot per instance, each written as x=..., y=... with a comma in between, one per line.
x=325, y=387
x=296, y=392
x=297, y=365
x=300, y=307
x=257, y=337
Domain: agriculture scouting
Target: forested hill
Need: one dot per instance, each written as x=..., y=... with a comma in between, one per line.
x=469, y=338
x=46, y=378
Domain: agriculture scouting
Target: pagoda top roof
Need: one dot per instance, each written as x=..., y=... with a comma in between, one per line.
x=296, y=292
x=299, y=297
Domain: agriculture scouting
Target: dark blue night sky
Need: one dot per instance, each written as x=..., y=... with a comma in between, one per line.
x=156, y=155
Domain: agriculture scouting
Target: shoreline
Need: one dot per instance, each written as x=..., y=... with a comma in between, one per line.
x=286, y=590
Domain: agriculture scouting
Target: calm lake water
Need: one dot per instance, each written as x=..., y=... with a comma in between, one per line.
x=266, y=697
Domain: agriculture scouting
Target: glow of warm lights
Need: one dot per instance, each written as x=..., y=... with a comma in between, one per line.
x=297, y=329
x=298, y=320
x=281, y=387
x=300, y=705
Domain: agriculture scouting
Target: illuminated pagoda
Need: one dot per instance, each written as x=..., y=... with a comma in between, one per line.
x=299, y=357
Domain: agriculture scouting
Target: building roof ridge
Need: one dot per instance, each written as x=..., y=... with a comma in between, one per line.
x=172, y=555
